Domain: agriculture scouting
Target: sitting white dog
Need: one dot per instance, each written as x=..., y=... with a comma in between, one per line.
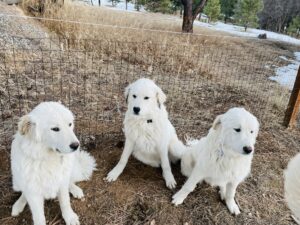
x=292, y=187
x=150, y=136
x=46, y=161
x=222, y=158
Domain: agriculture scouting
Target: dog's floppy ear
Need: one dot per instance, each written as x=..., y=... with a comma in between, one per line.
x=126, y=93
x=217, y=122
x=27, y=127
x=160, y=96
x=24, y=125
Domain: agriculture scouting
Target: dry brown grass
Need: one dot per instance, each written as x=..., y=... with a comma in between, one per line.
x=203, y=77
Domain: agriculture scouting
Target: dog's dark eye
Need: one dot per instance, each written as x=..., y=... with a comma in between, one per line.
x=70, y=124
x=237, y=129
x=146, y=98
x=251, y=131
x=134, y=96
x=56, y=129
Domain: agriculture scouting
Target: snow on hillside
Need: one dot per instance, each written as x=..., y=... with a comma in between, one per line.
x=286, y=75
x=240, y=31
x=120, y=6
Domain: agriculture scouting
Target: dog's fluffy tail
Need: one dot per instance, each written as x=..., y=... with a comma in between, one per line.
x=191, y=141
x=177, y=149
x=292, y=187
x=84, y=166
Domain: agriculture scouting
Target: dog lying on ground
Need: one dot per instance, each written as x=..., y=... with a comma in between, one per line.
x=46, y=161
x=222, y=158
x=292, y=187
x=149, y=134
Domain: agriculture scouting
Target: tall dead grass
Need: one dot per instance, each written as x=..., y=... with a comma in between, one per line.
x=154, y=39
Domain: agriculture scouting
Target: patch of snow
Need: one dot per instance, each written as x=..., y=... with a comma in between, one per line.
x=119, y=6
x=283, y=57
x=286, y=75
x=240, y=31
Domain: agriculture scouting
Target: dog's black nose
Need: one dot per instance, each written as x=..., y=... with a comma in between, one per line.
x=247, y=149
x=136, y=110
x=74, y=146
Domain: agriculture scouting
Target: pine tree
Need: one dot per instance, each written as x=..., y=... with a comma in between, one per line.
x=213, y=9
x=294, y=26
x=246, y=12
x=227, y=8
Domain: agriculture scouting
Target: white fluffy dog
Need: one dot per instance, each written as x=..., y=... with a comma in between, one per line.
x=222, y=158
x=292, y=187
x=45, y=163
x=150, y=136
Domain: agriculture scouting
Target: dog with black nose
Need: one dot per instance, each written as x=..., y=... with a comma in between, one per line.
x=46, y=161
x=150, y=136
x=222, y=158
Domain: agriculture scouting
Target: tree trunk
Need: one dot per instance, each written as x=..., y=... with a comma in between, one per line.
x=126, y=4
x=190, y=14
x=99, y=2
x=188, y=20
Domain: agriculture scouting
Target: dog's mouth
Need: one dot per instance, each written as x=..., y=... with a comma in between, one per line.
x=60, y=152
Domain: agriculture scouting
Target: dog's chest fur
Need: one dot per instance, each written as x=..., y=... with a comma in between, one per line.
x=224, y=169
x=44, y=175
x=145, y=135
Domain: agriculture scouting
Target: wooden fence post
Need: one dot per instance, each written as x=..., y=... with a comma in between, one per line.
x=294, y=104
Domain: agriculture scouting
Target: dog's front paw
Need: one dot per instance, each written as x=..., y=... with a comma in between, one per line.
x=76, y=191
x=71, y=218
x=113, y=175
x=16, y=209
x=169, y=178
x=178, y=198
x=171, y=183
x=222, y=194
x=233, y=207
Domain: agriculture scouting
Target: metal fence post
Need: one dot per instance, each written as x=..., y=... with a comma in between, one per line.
x=294, y=104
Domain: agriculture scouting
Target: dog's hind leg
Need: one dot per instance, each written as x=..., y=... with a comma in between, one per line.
x=76, y=191
x=19, y=205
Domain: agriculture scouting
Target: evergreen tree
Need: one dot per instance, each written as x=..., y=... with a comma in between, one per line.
x=213, y=9
x=227, y=8
x=163, y=6
x=246, y=12
x=294, y=26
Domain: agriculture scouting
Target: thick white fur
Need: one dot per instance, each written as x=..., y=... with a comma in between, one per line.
x=219, y=158
x=43, y=164
x=153, y=142
x=292, y=186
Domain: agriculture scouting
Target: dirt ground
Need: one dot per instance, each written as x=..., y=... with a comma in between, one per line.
x=139, y=196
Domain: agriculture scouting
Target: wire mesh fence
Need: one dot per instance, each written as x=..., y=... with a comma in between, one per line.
x=89, y=76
